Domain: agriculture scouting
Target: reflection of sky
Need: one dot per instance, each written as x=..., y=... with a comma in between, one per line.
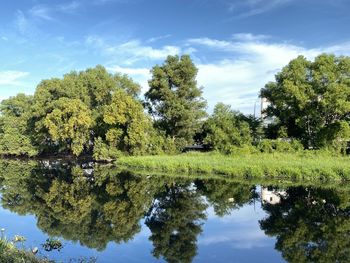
x=233, y=238
x=236, y=238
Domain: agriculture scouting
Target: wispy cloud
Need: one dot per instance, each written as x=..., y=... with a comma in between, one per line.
x=249, y=37
x=139, y=75
x=247, y=8
x=133, y=50
x=11, y=77
x=248, y=66
x=155, y=39
x=24, y=25
x=42, y=12
x=69, y=7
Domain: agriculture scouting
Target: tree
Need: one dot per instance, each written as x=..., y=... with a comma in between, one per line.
x=224, y=129
x=311, y=100
x=87, y=100
x=175, y=100
x=15, y=137
x=69, y=124
x=128, y=126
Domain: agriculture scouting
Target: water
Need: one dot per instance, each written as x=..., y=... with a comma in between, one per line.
x=112, y=215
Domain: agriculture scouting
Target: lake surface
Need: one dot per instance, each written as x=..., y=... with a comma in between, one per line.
x=108, y=214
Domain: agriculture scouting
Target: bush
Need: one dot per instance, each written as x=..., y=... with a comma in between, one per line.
x=282, y=146
x=104, y=152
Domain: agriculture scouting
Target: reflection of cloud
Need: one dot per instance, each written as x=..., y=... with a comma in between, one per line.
x=240, y=229
x=239, y=238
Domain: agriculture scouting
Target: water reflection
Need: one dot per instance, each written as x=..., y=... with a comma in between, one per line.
x=96, y=205
x=311, y=225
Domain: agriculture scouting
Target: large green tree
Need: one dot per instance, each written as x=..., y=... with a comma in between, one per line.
x=175, y=100
x=86, y=108
x=310, y=100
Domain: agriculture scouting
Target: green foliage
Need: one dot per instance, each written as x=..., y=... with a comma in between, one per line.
x=225, y=129
x=104, y=152
x=128, y=127
x=69, y=124
x=175, y=100
x=15, y=137
x=312, y=100
x=68, y=115
x=9, y=253
x=282, y=146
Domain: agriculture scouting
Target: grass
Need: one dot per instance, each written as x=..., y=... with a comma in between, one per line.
x=9, y=253
x=297, y=166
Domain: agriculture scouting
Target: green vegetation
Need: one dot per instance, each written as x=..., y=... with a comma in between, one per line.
x=175, y=101
x=99, y=114
x=310, y=101
x=225, y=130
x=9, y=253
x=307, y=166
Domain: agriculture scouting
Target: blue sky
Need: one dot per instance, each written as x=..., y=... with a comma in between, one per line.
x=238, y=45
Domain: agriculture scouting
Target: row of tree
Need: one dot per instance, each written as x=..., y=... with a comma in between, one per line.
x=98, y=113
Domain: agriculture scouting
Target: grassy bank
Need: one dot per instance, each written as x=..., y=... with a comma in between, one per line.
x=305, y=166
x=11, y=254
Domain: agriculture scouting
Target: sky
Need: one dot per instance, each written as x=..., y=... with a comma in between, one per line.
x=237, y=45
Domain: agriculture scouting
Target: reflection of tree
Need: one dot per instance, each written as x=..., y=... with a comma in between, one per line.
x=225, y=196
x=175, y=222
x=311, y=225
x=91, y=209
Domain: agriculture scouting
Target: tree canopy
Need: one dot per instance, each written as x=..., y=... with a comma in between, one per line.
x=175, y=100
x=311, y=100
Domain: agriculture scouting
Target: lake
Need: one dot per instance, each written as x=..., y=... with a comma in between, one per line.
x=108, y=214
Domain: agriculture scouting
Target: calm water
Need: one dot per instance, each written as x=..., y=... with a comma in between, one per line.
x=114, y=215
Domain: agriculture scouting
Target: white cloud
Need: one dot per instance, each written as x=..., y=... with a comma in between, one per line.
x=250, y=64
x=11, y=77
x=139, y=75
x=133, y=50
x=155, y=39
x=249, y=37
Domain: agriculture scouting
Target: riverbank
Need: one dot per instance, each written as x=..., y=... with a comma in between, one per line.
x=301, y=166
x=10, y=254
